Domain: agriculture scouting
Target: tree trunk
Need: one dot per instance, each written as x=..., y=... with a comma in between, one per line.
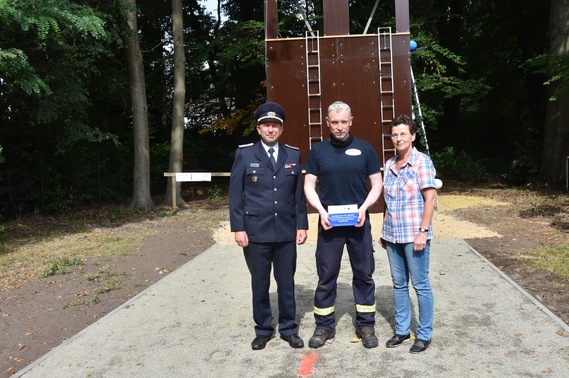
x=556, y=135
x=177, y=137
x=141, y=198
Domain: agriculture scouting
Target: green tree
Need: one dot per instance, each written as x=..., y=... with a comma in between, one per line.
x=52, y=52
x=41, y=18
x=476, y=95
x=556, y=138
x=141, y=198
x=177, y=138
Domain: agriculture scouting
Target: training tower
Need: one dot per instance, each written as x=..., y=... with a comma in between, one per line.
x=370, y=72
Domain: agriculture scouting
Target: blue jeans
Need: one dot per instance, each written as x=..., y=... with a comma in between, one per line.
x=405, y=263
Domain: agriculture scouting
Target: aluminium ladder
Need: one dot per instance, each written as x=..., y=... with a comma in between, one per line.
x=386, y=90
x=313, y=88
x=419, y=118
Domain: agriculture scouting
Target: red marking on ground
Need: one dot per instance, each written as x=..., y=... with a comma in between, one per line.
x=307, y=365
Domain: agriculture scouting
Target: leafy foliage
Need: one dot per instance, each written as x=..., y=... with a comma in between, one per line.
x=50, y=82
x=41, y=17
x=557, y=69
x=476, y=96
x=454, y=165
x=16, y=71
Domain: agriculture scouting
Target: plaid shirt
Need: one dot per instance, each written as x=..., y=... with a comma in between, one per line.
x=404, y=198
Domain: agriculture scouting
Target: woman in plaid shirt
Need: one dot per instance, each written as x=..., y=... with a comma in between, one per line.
x=410, y=198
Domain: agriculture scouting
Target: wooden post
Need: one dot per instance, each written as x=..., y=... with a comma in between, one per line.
x=174, y=180
x=336, y=17
x=271, y=19
x=402, y=16
x=174, y=202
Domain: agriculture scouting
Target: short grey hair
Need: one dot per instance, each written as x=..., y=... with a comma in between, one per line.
x=336, y=105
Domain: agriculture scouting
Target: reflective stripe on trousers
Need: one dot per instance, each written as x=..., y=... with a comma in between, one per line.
x=365, y=308
x=323, y=311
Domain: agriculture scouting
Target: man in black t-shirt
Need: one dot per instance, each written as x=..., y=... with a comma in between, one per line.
x=342, y=165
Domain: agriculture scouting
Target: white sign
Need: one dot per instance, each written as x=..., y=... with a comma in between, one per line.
x=343, y=215
x=193, y=176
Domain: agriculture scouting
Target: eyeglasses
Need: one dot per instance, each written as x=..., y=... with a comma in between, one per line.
x=402, y=136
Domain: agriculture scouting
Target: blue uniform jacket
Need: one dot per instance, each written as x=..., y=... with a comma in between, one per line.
x=267, y=203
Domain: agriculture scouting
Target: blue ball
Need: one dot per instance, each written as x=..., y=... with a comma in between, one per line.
x=412, y=45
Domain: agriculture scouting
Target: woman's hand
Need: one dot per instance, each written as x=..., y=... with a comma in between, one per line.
x=420, y=241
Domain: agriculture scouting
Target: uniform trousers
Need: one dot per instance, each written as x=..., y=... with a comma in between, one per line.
x=329, y=251
x=260, y=258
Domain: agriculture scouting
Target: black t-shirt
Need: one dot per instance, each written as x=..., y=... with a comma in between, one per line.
x=342, y=171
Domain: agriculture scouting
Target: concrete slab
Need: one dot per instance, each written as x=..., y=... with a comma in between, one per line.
x=197, y=322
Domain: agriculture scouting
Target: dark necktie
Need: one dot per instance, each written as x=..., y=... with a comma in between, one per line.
x=273, y=160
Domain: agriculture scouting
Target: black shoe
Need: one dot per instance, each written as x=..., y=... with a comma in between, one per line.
x=320, y=336
x=396, y=340
x=367, y=334
x=260, y=342
x=293, y=340
x=420, y=346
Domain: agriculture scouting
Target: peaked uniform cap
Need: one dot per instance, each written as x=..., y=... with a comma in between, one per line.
x=270, y=111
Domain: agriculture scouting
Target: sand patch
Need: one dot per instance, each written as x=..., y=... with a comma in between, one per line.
x=445, y=226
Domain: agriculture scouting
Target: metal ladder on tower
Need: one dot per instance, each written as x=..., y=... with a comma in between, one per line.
x=418, y=118
x=386, y=90
x=313, y=87
x=419, y=114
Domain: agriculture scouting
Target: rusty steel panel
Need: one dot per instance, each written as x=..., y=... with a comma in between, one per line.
x=352, y=68
x=349, y=71
x=271, y=19
x=402, y=16
x=336, y=17
x=351, y=74
x=402, y=73
x=286, y=84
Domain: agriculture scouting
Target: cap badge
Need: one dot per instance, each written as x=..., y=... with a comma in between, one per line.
x=271, y=114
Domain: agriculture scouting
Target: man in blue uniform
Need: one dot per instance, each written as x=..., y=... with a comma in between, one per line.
x=268, y=215
x=342, y=165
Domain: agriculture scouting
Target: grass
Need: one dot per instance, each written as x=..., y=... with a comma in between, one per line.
x=554, y=260
x=537, y=214
x=58, y=265
x=109, y=281
x=43, y=257
x=36, y=245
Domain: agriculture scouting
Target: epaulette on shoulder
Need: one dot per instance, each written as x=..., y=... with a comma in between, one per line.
x=246, y=145
x=293, y=147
